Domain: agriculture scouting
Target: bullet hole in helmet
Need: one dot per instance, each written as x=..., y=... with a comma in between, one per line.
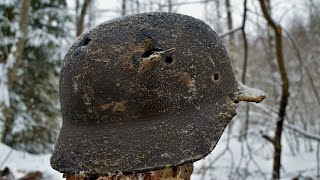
x=216, y=78
x=86, y=40
x=166, y=56
x=150, y=52
x=168, y=59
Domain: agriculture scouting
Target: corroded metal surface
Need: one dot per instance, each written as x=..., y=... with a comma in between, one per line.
x=142, y=93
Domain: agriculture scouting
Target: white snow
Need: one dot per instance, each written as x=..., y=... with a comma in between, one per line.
x=20, y=163
x=228, y=165
x=4, y=93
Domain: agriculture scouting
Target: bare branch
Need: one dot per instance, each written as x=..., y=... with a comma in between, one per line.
x=230, y=32
x=268, y=138
x=303, y=132
x=299, y=57
x=184, y=3
x=245, y=42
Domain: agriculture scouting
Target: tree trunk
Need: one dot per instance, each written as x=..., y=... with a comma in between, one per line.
x=285, y=90
x=77, y=12
x=23, y=27
x=230, y=27
x=92, y=13
x=270, y=51
x=176, y=173
x=244, y=130
x=83, y=13
x=218, y=14
x=124, y=7
x=169, y=5
x=137, y=6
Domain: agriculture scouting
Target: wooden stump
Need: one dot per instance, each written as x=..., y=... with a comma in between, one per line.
x=175, y=173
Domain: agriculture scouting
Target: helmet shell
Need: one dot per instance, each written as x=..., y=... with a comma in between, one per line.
x=141, y=93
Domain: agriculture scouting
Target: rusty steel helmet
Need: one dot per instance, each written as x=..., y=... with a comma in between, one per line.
x=144, y=92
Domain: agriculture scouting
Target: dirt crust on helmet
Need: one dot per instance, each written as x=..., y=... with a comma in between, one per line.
x=141, y=93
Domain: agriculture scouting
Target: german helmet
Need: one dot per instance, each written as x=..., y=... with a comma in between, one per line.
x=144, y=92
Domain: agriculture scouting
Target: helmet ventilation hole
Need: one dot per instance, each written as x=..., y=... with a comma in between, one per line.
x=86, y=40
x=216, y=78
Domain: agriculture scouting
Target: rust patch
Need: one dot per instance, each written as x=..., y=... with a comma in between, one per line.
x=104, y=107
x=189, y=82
x=148, y=63
x=231, y=109
x=225, y=115
x=119, y=106
x=146, y=45
x=231, y=105
x=131, y=47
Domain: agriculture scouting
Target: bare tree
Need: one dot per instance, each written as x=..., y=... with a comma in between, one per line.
x=23, y=26
x=77, y=11
x=21, y=41
x=230, y=27
x=92, y=13
x=169, y=5
x=80, y=22
x=276, y=141
x=212, y=13
x=124, y=7
x=245, y=64
x=137, y=6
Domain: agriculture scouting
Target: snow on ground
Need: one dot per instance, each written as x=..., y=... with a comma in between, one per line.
x=230, y=165
x=20, y=163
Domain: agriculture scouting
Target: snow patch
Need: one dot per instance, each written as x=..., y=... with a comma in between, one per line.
x=20, y=163
x=246, y=93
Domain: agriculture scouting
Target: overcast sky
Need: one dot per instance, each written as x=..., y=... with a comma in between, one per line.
x=283, y=11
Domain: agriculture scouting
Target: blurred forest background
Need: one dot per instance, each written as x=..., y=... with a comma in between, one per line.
x=274, y=46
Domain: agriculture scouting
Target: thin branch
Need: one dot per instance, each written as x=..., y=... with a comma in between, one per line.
x=230, y=27
x=268, y=138
x=230, y=32
x=314, y=11
x=245, y=42
x=124, y=8
x=185, y=3
x=302, y=132
x=299, y=57
x=6, y=158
